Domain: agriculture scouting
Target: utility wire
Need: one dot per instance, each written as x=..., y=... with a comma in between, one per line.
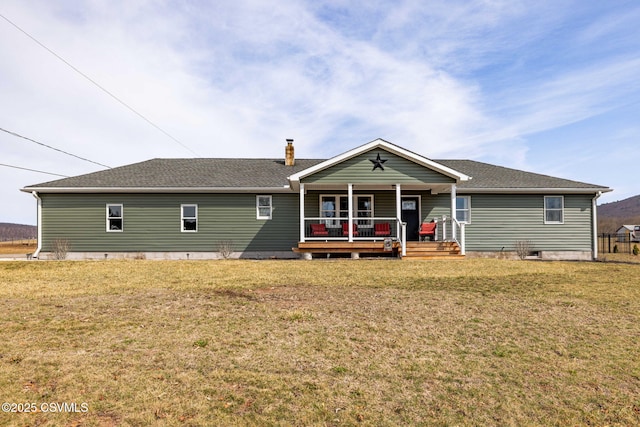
x=53, y=148
x=99, y=86
x=33, y=170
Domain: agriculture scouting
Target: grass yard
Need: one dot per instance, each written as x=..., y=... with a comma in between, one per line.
x=21, y=247
x=371, y=343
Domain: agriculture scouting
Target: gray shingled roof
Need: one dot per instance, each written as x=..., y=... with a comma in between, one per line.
x=272, y=173
x=488, y=176
x=188, y=173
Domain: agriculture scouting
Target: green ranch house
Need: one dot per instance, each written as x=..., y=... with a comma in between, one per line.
x=377, y=199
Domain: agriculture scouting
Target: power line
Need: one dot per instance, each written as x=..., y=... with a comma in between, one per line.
x=99, y=86
x=53, y=148
x=33, y=170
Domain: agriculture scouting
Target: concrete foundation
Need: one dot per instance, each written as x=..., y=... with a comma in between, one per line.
x=171, y=255
x=542, y=255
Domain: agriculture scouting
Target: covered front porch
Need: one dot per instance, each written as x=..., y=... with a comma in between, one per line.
x=376, y=196
x=383, y=220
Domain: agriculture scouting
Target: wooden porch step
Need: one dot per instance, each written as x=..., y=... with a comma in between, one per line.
x=433, y=250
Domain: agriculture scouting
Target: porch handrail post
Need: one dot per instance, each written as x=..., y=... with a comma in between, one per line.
x=444, y=227
x=398, y=209
x=302, y=227
x=453, y=211
x=350, y=203
x=462, y=239
x=403, y=226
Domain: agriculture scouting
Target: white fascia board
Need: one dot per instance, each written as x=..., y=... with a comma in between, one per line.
x=283, y=189
x=381, y=143
x=540, y=190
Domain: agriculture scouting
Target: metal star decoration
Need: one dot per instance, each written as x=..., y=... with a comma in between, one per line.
x=377, y=163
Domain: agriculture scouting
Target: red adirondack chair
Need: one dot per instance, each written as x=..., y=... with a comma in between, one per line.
x=382, y=229
x=345, y=229
x=318, y=230
x=427, y=229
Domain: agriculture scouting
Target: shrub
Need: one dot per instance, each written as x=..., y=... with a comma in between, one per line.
x=636, y=251
x=225, y=249
x=615, y=249
x=60, y=248
x=523, y=248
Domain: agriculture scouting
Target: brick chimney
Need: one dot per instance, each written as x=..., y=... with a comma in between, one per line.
x=289, y=159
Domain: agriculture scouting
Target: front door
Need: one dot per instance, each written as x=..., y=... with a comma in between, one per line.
x=411, y=215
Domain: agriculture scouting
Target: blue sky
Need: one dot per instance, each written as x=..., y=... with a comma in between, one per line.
x=545, y=86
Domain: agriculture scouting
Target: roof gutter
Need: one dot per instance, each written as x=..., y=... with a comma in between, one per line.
x=260, y=190
x=545, y=190
x=39, y=248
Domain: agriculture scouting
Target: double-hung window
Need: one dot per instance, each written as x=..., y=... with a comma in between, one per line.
x=364, y=209
x=114, y=217
x=189, y=218
x=553, y=209
x=263, y=207
x=334, y=207
x=337, y=206
x=463, y=209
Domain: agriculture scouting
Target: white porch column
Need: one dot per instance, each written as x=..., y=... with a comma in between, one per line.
x=350, y=203
x=302, y=212
x=398, y=209
x=453, y=211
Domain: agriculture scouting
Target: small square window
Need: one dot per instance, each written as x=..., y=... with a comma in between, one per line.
x=409, y=205
x=114, y=217
x=263, y=207
x=189, y=218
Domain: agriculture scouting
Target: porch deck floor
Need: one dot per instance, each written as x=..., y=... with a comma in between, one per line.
x=415, y=250
x=344, y=247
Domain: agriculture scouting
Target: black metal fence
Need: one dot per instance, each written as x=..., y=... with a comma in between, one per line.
x=616, y=243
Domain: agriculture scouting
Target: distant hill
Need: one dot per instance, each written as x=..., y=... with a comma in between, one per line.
x=612, y=216
x=10, y=231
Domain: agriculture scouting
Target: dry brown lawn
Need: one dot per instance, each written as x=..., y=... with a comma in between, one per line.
x=372, y=343
x=20, y=247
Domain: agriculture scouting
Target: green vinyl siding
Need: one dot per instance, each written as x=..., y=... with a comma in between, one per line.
x=435, y=206
x=359, y=170
x=151, y=222
x=499, y=221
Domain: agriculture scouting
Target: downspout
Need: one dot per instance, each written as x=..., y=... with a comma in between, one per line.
x=594, y=215
x=39, y=248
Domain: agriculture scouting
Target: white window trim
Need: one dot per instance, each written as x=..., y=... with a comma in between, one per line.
x=182, y=218
x=363, y=219
x=121, y=217
x=468, y=209
x=258, y=216
x=544, y=210
x=332, y=222
x=355, y=207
